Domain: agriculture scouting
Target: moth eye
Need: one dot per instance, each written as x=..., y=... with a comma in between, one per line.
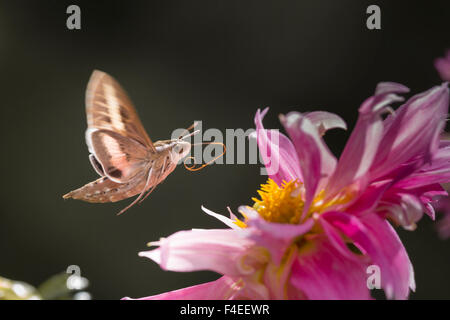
x=178, y=149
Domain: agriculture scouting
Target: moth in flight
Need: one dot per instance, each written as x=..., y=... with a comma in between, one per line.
x=121, y=152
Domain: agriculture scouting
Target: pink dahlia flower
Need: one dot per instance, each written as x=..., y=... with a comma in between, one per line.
x=320, y=223
x=442, y=65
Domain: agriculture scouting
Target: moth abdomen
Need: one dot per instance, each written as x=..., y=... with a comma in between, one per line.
x=99, y=191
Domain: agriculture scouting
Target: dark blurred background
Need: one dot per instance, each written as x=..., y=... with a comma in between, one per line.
x=215, y=61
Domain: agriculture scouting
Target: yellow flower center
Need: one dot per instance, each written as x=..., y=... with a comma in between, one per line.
x=284, y=204
x=280, y=204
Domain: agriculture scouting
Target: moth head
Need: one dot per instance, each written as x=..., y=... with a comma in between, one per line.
x=180, y=150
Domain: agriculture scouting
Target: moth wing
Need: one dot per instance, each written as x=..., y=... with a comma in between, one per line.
x=121, y=158
x=108, y=107
x=96, y=165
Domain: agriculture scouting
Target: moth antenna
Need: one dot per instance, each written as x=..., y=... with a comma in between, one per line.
x=193, y=168
x=190, y=134
x=192, y=126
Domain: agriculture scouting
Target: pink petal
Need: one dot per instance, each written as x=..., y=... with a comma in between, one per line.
x=378, y=240
x=282, y=231
x=277, y=151
x=413, y=131
x=227, y=221
x=275, y=237
x=407, y=205
x=325, y=121
x=216, y=250
x=316, y=161
x=428, y=194
x=362, y=145
x=369, y=199
x=336, y=240
x=437, y=171
x=322, y=272
x=404, y=209
x=224, y=288
x=276, y=278
x=390, y=87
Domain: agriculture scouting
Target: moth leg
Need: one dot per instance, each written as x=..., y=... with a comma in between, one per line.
x=96, y=165
x=156, y=182
x=149, y=191
x=147, y=183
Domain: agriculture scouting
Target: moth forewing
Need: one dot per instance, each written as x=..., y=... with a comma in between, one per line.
x=109, y=107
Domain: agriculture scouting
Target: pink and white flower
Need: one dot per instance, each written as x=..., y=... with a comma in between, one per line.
x=319, y=222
